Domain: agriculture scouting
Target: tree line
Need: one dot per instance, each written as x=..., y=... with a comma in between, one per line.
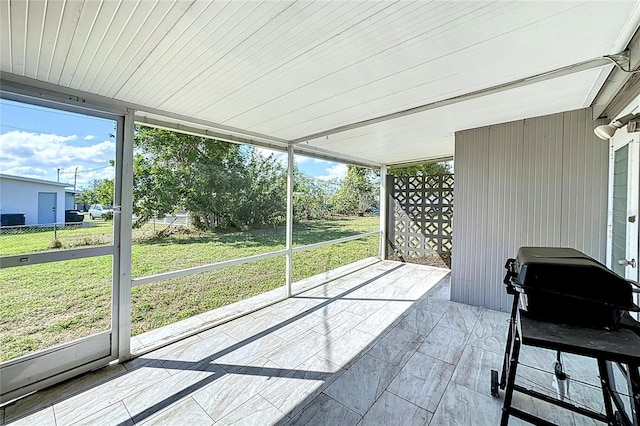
x=225, y=185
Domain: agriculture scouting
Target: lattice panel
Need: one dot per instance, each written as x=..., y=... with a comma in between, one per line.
x=420, y=215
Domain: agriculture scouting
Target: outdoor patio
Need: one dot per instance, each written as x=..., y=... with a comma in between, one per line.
x=383, y=345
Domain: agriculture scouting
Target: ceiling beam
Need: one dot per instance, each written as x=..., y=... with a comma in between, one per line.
x=559, y=72
x=192, y=129
x=36, y=89
x=618, y=90
x=614, y=86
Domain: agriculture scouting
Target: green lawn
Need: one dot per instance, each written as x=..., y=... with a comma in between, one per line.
x=46, y=304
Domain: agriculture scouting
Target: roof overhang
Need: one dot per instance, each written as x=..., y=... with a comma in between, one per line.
x=33, y=180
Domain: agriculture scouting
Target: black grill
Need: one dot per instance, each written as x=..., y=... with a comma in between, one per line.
x=565, y=285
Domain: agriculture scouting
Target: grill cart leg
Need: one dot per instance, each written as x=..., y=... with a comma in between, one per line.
x=511, y=377
x=494, y=384
x=606, y=391
x=510, y=336
x=634, y=378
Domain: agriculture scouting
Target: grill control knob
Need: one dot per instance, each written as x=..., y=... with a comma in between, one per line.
x=625, y=262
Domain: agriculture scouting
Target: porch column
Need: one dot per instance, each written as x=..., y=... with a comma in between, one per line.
x=289, y=232
x=382, y=250
x=123, y=254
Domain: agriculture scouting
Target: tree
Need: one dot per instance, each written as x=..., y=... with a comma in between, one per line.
x=437, y=168
x=219, y=183
x=105, y=192
x=310, y=196
x=261, y=191
x=357, y=191
x=99, y=191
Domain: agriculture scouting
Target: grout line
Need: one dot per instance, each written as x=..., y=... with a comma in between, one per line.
x=127, y=410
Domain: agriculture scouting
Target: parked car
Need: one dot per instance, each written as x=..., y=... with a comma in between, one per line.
x=97, y=210
x=73, y=216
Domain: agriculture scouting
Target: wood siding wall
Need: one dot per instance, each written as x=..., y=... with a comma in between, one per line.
x=540, y=182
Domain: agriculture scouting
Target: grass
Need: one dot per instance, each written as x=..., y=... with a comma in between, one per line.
x=36, y=239
x=46, y=304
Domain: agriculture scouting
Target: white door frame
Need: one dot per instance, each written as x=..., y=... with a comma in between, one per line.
x=620, y=139
x=44, y=368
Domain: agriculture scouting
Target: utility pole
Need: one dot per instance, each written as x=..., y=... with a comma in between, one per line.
x=59, y=168
x=75, y=180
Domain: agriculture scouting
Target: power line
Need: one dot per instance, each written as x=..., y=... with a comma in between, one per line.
x=85, y=171
x=6, y=104
x=35, y=131
x=24, y=128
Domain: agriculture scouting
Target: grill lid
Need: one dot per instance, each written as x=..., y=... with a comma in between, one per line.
x=569, y=273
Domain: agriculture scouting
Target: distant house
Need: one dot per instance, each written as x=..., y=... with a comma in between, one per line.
x=40, y=201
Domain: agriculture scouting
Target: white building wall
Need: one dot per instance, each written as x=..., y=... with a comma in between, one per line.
x=69, y=201
x=19, y=196
x=540, y=181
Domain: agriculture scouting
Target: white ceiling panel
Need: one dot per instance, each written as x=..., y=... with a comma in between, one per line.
x=290, y=69
x=430, y=134
x=167, y=60
x=407, y=76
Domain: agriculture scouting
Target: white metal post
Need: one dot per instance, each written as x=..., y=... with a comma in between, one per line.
x=123, y=251
x=383, y=212
x=289, y=233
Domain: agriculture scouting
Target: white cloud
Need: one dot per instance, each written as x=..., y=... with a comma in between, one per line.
x=302, y=159
x=26, y=171
x=264, y=151
x=339, y=171
x=89, y=137
x=40, y=155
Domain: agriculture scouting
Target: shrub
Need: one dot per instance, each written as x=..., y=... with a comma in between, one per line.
x=55, y=244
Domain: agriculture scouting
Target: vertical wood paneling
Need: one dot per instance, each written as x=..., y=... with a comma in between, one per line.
x=5, y=36
x=502, y=228
x=541, y=181
x=585, y=161
x=472, y=167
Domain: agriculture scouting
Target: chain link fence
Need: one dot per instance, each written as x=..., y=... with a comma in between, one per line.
x=35, y=238
x=22, y=239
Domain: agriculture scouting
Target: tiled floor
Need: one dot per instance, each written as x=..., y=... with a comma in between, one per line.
x=381, y=346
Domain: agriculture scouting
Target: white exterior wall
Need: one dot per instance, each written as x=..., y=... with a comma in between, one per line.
x=540, y=181
x=69, y=201
x=21, y=196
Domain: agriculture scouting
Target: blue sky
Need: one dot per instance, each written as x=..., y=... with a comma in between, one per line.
x=43, y=143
